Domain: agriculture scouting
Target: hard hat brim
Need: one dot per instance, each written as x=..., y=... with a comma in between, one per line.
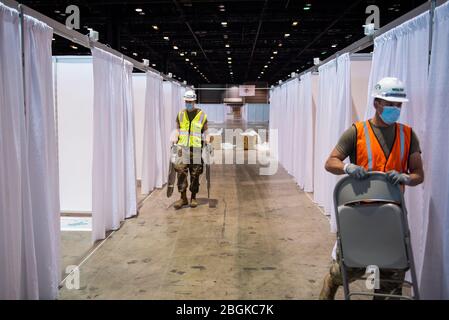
x=189, y=99
x=391, y=99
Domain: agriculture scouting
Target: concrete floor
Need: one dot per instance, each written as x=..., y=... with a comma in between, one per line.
x=76, y=245
x=263, y=238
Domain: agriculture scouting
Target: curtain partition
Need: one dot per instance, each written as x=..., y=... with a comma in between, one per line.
x=164, y=99
x=327, y=85
x=112, y=184
x=435, y=270
x=403, y=52
x=29, y=191
x=130, y=154
x=334, y=116
x=152, y=175
x=305, y=134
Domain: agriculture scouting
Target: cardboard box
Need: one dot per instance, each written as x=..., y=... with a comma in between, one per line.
x=218, y=140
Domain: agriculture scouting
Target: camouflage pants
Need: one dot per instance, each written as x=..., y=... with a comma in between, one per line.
x=195, y=172
x=334, y=279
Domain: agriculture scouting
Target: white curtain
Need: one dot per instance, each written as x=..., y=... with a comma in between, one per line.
x=282, y=127
x=152, y=175
x=305, y=134
x=130, y=154
x=334, y=116
x=435, y=270
x=403, y=52
x=112, y=167
x=323, y=145
x=29, y=191
x=274, y=113
x=289, y=125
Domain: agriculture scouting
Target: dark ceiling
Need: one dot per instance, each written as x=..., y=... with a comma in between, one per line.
x=273, y=37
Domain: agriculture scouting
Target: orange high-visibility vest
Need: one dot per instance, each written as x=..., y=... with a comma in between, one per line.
x=369, y=152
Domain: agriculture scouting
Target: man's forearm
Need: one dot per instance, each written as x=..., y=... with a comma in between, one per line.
x=416, y=179
x=335, y=166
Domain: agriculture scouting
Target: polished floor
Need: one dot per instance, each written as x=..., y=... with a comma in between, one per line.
x=260, y=237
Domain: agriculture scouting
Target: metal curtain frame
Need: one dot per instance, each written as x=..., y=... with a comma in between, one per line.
x=369, y=40
x=83, y=40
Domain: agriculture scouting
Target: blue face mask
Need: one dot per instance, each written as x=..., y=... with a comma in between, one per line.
x=189, y=106
x=390, y=114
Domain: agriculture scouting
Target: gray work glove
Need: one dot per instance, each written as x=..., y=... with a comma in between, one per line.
x=395, y=178
x=355, y=171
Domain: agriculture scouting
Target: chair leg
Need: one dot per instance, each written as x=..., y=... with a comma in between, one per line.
x=344, y=277
x=412, y=269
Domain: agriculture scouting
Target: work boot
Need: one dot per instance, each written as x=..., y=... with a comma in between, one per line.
x=193, y=202
x=181, y=202
x=329, y=289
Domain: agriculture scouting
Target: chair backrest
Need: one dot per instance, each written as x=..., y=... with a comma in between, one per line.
x=375, y=188
x=371, y=223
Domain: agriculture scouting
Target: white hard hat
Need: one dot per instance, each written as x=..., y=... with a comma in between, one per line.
x=390, y=89
x=190, y=95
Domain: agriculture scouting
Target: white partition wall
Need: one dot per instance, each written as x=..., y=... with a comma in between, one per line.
x=74, y=90
x=256, y=112
x=216, y=113
x=360, y=72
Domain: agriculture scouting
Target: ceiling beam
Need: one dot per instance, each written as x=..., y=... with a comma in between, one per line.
x=182, y=16
x=348, y=9
x=256, y=38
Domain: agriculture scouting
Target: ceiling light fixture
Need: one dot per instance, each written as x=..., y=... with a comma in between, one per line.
x=224, y=23
x=334, y=45
x=227, y=45
x=295, y=23
x=134, y=54
x=175, y=47
x=287, y=35
x=139, y=10
x=155, y=27
x=166, y=38
x=187, y=59
x=73, y=47
x=275, y=52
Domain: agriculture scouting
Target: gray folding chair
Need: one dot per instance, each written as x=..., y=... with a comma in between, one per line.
x=373, y=229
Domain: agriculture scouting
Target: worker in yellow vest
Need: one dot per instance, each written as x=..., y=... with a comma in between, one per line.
x=379, y=144
x=191, y=137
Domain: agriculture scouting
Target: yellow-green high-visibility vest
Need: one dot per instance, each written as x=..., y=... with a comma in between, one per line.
x=190, y=132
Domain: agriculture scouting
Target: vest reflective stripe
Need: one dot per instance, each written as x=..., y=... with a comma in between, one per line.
x=368, y=148
x=369, y=152
x=195, y=128
x=401, y=128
